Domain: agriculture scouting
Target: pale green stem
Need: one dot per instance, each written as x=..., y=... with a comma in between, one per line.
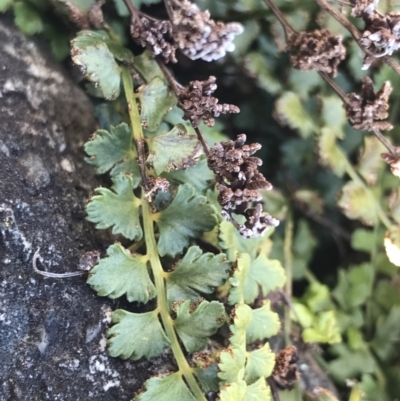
x=162, y=305
x=151, y=246
x=135, y=123
x=288, y=261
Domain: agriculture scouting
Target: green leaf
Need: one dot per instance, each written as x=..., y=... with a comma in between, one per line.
x=260, y=363
x=235, y=244
x=196, y=273
x=93, y=38
x=188, y=216
x=264, y=274
x=122, y=273
x=27, y=18
x=370, y=161
x=264, y=324
x=233, y=391
x=291, y=112
x=237, y=281
x=99, y=67
x=147, y=66
x=363, y=240
x=82, y=5
x=354, y=286
x=324, y=330
x=114, y=150
x=258, y=391
x=171, y=387
x=258, y=68
x=199, y=176
x=156, y=101
x=231, y=366
x=357, y=203
x=5, y=5
x=317, y=297
x=208, y=378
x=136, y=335
x=118, y=208
x=329, y=153
x=194, y=327
x=333, y=114
x=387, y=334
x=242, y=315
x=173, y=150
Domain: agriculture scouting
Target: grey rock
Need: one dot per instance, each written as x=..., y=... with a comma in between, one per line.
x=52, y=331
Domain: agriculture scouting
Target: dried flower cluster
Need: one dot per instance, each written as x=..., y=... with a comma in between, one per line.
x=190, y=29
x=369, y=110
x=285, y=371
x=381, y=35
x=154, y=34
x=362, y=7
x=317, y=50
x=198, y=104
x=239, y=182
x=197, y=35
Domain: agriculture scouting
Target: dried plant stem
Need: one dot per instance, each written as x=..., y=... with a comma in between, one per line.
x=176, y=88
x=354, y=32
x=334, y=86
x=289, y=30
x=274, y=389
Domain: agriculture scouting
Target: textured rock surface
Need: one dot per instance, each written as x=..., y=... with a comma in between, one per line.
x=52, y=344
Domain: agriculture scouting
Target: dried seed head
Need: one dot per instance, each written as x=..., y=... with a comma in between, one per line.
x=317, y=50
x=197, y=35
x=362, y=7
x=198, y=104
x=393, y=161
x=154, y=34
x=239, y=182
x=368, y=110
x=381, y=35
x=285, y=371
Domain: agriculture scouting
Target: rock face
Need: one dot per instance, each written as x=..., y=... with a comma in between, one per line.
x=52, y=344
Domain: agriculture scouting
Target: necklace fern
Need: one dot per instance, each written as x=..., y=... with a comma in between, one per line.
x=157, y=150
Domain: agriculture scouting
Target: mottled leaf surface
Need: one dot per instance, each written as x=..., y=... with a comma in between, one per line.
x=265, y=275
x=264, y=324
x=188, y=216
x=357, y=203
x=173, y=150
x=194, y=327
x=195, y=274
x=113, y=150
x=136, y=335
x=156, y=101
x=260, y=363
x=99, y=67
x=122, y=273
x=118, y=208
x=231, y=366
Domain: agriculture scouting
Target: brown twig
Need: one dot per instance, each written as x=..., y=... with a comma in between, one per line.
x=289, y=30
